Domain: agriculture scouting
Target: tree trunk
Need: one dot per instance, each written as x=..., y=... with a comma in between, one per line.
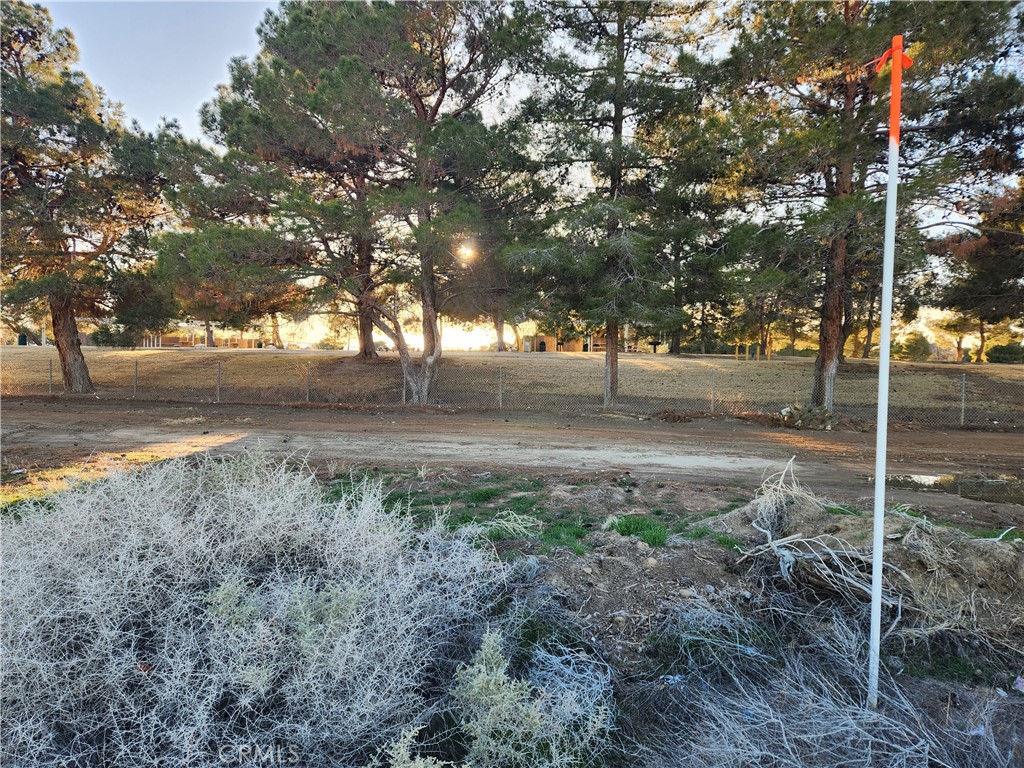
x=850, y=318
x=960, y=348
x=611, y=363
x=858, y=346
x=835, y=303
x=981, y=342
x=870, y=325
x=73, y=369
x=519, y=338
x=209, y=334
x=675, y=342
x=275, y=327
x=366, y=303
x=499, y=330
x=613, y=226
x=830, y=330
x=393, y=330
x=422, y=381
x=764, y=340
x=703, y=329
x=675, y=338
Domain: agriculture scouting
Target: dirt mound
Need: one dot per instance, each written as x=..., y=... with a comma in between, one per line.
x=622, y=589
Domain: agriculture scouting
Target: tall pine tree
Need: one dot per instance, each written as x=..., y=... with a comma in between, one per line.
x=814, y=116
x=79, y=190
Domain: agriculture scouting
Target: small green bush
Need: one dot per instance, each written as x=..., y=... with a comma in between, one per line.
x=1012, y=353
x=560, y=717
x=915, y=347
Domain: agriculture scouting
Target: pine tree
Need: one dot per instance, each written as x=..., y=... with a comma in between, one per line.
x=814, y=116
x=609, y=73
x=79, y=190
x=377, y=106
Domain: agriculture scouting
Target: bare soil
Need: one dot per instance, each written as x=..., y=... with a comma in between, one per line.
x=48, y=433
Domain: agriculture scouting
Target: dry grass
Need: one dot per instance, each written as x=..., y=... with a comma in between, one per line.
x=527, y=380
x=781, y=684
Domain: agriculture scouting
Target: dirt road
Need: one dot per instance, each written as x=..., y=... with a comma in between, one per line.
x=45, y=432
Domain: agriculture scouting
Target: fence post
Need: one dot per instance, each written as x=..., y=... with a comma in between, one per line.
x=309, y=376
x=501, y=388
x=218, y=382
x=963, y=398
x=49, y=385
x=714, y=380
x=135, y=383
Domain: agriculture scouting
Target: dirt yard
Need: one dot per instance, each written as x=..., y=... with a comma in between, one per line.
x=44, y=439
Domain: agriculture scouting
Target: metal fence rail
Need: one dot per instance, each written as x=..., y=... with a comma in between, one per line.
x=932, y=396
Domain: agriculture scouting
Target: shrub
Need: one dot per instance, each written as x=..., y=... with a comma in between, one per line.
x=915, y=347
x=560, y=717
x=1005, y=353
x=166, y=616
x=108, y=335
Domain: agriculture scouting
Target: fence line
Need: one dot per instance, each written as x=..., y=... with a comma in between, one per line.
x=935, y=398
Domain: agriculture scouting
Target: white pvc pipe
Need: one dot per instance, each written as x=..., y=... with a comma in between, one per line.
x=882, y=430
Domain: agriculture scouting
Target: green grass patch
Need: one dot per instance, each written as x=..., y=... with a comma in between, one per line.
x=523, y=505
x=728, y=542
x=734, y=503
x=397, y=498
x=442, y=500
x=565, y=534
x=483, y=495
x=843, y=509
x=644, y=528
x=954, y=669
x=700, y=532
x=528, y=484
x=992, y=533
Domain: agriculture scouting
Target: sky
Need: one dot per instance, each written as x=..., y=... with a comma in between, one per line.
x=160, y=59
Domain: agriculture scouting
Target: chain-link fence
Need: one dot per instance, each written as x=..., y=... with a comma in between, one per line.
x=569, y=383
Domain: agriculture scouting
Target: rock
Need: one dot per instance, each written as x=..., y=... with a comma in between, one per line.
x=650, y=562
x=642, y=546
x=709, y=589
x=686, y=594
x=619, y=621
x=587, y=569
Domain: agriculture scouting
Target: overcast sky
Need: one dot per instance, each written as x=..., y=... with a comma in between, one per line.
x=160, y=59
